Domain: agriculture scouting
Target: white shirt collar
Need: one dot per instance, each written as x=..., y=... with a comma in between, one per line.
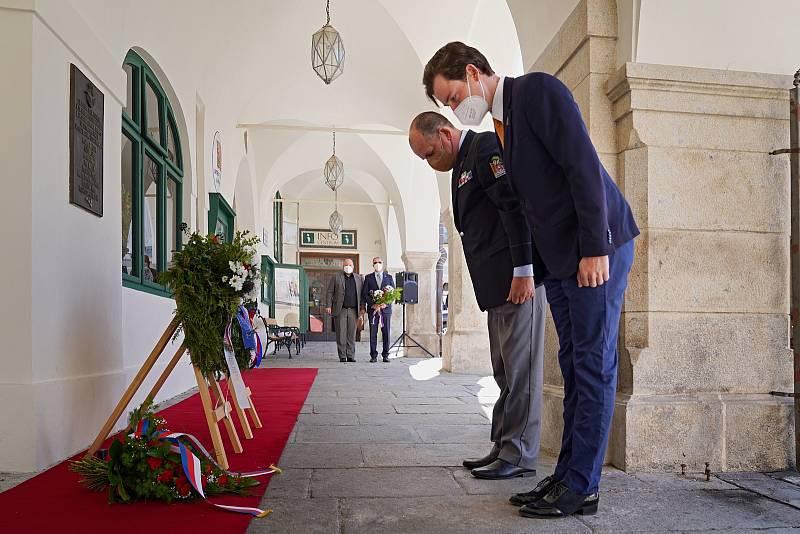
x=461, y=139
x=497, y=101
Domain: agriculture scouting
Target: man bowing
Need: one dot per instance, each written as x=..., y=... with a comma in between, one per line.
x=583, y=229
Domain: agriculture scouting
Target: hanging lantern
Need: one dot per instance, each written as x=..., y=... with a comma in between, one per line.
x=334, y=169
x=327, y=51
x=336, y=222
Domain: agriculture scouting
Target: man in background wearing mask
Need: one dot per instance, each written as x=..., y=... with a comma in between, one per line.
x=583, y=228
x=344, y=298
x=380, y=315
x=501, y=259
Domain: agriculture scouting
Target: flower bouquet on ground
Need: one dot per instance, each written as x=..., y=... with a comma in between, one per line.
x=152, y=464
x=210, y=280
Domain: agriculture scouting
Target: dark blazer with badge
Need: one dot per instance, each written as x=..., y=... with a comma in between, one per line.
x=489, y=219
x=574, y=208
x=370, y=285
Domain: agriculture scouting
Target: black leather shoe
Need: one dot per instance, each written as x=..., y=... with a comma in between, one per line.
x=342, y=360
x=385, y=359
x=541, y=489
x=500, y=470
x=561, y=501
x=373, y=359
x=474, y=463
x=351, y=359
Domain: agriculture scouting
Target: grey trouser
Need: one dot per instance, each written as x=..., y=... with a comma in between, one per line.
x=346, y=333
x=516, y=342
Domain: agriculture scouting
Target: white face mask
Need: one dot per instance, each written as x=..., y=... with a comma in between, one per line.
x=378, y=267
x=348, y=269
x=472, y=109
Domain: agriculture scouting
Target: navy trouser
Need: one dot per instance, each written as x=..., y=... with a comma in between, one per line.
x=374, y=326
x=587, y=322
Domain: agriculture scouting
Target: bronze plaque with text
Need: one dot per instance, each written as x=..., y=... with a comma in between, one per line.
x=85, y=143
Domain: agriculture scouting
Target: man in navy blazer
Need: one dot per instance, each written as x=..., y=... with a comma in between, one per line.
x=380, y=315
x=583, y=230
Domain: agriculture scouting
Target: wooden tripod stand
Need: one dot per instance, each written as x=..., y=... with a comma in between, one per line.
x=216, y=410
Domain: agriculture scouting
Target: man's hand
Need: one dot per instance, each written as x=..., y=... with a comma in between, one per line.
x=521, y=289
x=593, y=271
x=328, y=311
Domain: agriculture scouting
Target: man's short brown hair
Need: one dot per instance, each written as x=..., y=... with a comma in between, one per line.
x=451, y=62
x=428, y=123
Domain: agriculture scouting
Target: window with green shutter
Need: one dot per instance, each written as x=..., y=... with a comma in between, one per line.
x=152, y=180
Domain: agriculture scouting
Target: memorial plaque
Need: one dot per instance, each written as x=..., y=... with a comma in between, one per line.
x=85, y=143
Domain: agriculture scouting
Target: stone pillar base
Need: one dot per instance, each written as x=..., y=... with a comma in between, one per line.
x=420, y=319
x=466, y=352
x=730, y=432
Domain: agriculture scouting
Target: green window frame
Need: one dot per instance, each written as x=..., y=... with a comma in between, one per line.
x=164, y=159
x=221, y=217
x=268, y=266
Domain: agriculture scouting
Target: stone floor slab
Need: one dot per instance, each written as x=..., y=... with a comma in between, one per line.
x=451, y=515
x=293, y=516
x=403, y=401
x=322, y=456
x=328, y=419
x=290, y=484
x=437, y=408
x=356, y=434
x=688, y=511
x=354, y=408
x=502, y=489
x=454, y=433
x=433, y=419
x=442, y=455
x=384, y=482
x=688, y=482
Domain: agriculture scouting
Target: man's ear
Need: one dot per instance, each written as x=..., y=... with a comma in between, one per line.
x=473, y=71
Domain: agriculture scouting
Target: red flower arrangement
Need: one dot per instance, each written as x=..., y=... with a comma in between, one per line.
x=141, y=466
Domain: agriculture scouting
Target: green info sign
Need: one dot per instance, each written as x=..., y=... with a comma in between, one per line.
x=314, y=238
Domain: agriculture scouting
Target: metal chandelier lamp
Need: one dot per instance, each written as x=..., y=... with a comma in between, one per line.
x=334, y=177
x=327, y=51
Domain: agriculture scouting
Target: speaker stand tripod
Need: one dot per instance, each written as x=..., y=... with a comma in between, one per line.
x=405, y=341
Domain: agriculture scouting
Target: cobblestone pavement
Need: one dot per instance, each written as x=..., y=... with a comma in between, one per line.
x=378, y=448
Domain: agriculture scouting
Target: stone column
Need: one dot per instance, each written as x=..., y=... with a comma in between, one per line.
x=707, y=310
x=582, y=56
x=465, y=347
x=420, y=318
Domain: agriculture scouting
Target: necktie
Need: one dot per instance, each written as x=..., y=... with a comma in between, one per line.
x=501, y=132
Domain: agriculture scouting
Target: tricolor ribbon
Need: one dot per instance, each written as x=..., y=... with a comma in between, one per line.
x=259, y=351
x=192, y=467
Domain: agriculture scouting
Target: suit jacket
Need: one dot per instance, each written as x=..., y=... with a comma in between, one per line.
x=490, y=220
x=574, y=208
x=334, y=296
x=371, y=284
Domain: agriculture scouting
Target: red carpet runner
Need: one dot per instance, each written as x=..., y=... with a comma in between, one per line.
x=54, y=501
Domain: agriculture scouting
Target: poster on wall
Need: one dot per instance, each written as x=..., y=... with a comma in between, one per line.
x=287, y=296
x=216, y=160
x=287, y=286
x=289, y=232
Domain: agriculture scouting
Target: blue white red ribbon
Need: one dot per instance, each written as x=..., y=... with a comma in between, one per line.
x=192, y=467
